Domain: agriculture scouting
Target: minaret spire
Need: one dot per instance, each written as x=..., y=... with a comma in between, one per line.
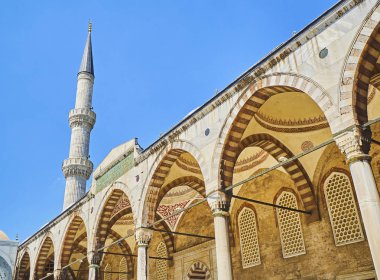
x=78, y=168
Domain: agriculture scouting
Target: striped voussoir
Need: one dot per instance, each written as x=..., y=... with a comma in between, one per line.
x=76, y=247
x=24, y=267
x=191, y=181
x=158, y=180
x=123, y=245
x=198, y=271
x=295, y=169
x=105, y=218
x=360, y=67
x=43, y=256
x=168, y=237
x=252, y=105
x=69, y=239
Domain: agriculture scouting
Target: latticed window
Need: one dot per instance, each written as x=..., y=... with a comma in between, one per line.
x=289, y=223
x=249, y=243
x=161, y=265
x=342, y=209
x=107, y=272
x=123, y=269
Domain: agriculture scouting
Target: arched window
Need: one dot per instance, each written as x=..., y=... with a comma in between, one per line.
x=249, y=243
x=161, y=265
x=289, y=224
x=107, y=272
x=342, y=209
x=123, y=269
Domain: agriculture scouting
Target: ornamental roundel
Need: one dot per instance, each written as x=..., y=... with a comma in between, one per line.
x=306, y=145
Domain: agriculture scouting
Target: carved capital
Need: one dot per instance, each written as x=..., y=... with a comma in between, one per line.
x=219, y=203
x=77, y=167
x=94, y=257
x=143, y=237
x=354, y=144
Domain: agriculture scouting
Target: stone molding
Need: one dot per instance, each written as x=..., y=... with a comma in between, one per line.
x=354, y=144
x=82, y=117
x=143, y=237
x=77, y=167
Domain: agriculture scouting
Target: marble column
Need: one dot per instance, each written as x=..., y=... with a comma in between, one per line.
x=355, y=146
x=143, y=237
x=94, y=258
x=220, y=205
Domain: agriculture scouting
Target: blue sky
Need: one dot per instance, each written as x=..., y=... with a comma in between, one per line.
x=155, y=61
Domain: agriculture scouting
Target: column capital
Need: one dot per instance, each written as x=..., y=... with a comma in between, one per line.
x=143, y=237
x=354, y=144
x=219, y=203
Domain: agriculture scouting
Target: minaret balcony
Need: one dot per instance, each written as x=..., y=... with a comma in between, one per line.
x=77, y=167
x=81, y=117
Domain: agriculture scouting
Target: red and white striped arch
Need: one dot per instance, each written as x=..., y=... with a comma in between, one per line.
x=160, y=170
x=69, y=241
x=43, y=254
x=359, y=67
x=250, y=101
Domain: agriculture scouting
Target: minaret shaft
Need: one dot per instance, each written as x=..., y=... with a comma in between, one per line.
x=78, y=168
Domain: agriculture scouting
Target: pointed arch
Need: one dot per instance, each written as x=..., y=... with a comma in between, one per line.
x=191, y=181
x=248, y=104
x=45, y=255
x=359, y=69
x=69, y=241
x=160, y=170
x=115, y=205
x=295, y=169
x=124, y=247
x=23, y=272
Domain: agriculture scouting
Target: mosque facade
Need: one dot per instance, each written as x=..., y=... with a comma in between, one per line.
x=8, y=253
x=276, y=177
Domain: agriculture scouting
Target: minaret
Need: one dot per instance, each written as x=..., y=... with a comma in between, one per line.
x=78, y=168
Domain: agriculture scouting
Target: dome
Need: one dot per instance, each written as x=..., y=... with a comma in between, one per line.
x=3, y=236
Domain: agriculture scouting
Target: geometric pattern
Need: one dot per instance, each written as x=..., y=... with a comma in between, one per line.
x=161, y=265
x=344, y=217
x=289, y=223
x=107, y=272
x=249, y=243
x=123, y=269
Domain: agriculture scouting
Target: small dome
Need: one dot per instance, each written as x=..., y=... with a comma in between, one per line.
x=3, y=236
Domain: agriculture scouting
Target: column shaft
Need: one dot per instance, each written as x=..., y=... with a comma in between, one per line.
x=369, y=203
x=93, y=272
x=142, y=262
x=222, y=244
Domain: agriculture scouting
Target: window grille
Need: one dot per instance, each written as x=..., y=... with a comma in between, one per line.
x=161, y=265
x=289, y=222
x=107, y=272
x=123, y=269
x=344, y=217
x=249, y=243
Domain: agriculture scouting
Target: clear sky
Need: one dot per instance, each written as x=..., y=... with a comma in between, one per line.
x=155, y=61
